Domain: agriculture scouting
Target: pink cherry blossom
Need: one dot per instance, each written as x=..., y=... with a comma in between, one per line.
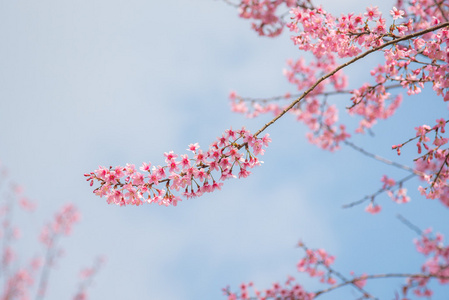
x=372, y=13
x=373, y=208
x=397, y=14
x=193, y=147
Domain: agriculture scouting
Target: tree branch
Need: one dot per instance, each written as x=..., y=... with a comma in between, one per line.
x=378, y=276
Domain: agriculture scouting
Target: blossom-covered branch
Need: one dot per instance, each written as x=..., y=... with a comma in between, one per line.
x=232, y=155
x=317, y=263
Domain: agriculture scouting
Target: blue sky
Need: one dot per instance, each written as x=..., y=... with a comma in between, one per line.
x=89, y=83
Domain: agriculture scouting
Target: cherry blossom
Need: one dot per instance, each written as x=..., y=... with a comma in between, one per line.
x=397, y=13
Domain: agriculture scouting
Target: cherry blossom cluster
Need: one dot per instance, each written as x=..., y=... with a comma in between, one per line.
x=316, y=264
x=289, y=290
x=62, y=225
x=433, y=164
x=373, y=208
x=347, y=36
x=437, y=176
x=230, y=156
x=424, y=12
x=20, y=280
x=373, y=103
x=436, y=266
x=264, y=13
x=359, y=281
x=394, y=190
x=319, y=32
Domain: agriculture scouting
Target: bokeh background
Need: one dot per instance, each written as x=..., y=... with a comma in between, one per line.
x=89, y=83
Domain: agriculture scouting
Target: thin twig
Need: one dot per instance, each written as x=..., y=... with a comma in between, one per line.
x=439, y=171
x=409, y=224
x=418, y=136
x=278, y=98
x=384, y=160
x=380, y=191
x=230, y=3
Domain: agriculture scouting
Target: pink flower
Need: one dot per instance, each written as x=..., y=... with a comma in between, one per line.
x=185, y=162
x=145, y=167
x=396, y=14
x=380, y=26
x=138, y=178
x=217, y=185
x=372, y=12
x=200, y=157
x=258, y=148
x=153, y=178
x=201, y=174
x=231, y=134
x=244, y=173
x=388, y=182
x=130, y=169
x=193, y=147
x=224, y=163
x=170, y=156
x=421, y=131
x=266, y=139
x=160, y=171
x=173, y=165
x=222, y=141
x=101, y=172
x=361, y=282
x=441, y=123
x=373, y=208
